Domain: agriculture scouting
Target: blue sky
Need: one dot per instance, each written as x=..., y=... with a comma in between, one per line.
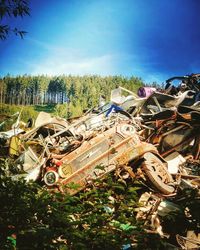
x=152, y=39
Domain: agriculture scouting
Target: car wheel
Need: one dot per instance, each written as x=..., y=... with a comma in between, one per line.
x=158, y=174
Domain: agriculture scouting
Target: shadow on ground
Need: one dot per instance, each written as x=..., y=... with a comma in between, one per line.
x=49, y=108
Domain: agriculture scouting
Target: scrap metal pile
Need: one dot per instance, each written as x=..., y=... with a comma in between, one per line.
x=153, y=136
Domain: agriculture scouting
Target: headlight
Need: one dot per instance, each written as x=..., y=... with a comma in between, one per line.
x=51, y=177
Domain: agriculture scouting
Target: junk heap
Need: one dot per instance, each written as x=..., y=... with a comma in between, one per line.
x=155, y=133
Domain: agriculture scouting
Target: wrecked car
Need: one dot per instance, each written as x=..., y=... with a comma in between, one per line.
x=58, y=153
x=118, y=146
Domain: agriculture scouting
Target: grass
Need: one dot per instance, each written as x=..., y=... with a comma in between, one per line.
x=9, y=113
x=49, y=108
x=26, y=112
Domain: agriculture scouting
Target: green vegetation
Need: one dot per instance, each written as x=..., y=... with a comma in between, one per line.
x=64, y=96
x=10, y=113
x=49, y=108
x=103, y=216
x=10, y=9
x=75, y=90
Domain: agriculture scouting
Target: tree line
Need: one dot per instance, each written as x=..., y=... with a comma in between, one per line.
x=78, y=90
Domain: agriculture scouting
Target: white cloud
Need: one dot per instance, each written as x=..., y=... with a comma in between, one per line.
x=58, y=65
x=65, y=60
